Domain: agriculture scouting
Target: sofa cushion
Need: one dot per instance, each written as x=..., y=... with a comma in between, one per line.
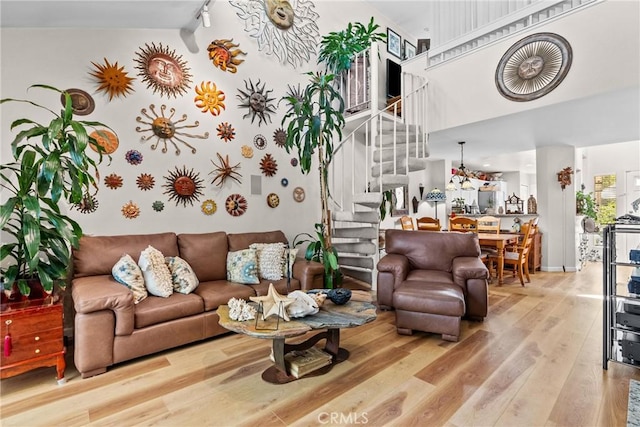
x=243, y=240
x=219, y=292
x=429, y=276
x=128, y=273
x=157, y=277
x=434, y=298
x=270, y=259
x=182, y=276
x=155, y=310
x=96, y=255
x=242, y=267
x=206, y=253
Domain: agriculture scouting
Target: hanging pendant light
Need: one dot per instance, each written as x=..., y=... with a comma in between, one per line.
x=462, y=174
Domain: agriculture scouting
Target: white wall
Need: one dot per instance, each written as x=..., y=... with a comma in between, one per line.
x=63, y=57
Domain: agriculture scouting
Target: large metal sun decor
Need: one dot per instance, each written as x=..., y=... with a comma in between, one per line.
x=113, y=80
x=164, y=129
x=183, y=186
x=209, y=98
x=286, y=29
x=257, y=101
x=533, y=67
x=223, y=55
x=224, y=170
x=162, y=70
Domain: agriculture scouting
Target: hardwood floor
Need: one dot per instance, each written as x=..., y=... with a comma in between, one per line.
x=536, y=360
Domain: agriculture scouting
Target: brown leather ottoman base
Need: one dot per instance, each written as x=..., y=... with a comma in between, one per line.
x=436, y=308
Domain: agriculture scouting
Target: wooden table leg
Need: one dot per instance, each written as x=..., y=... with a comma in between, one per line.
x=500, y=247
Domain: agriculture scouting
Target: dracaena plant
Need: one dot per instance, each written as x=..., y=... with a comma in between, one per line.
x=49, y=165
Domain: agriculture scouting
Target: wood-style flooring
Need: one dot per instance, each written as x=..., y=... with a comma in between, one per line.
x=535, y=361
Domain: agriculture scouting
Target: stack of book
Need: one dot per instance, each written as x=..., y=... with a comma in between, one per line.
x=302, y=362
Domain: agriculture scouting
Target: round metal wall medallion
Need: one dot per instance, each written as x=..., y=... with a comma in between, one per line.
x=533, y=66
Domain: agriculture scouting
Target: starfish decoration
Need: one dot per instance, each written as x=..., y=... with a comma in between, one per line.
x=274, y=303
x=224, y=170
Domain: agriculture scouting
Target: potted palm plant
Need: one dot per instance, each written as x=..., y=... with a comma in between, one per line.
x=313, y=119
x=49, y=165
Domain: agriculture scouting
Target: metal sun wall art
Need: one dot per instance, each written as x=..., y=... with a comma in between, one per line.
x=130, y=210
x=145, y=181
x=165, y=129
x=533, y=67
x=183, y=186
x=260, y=142
x=113, y=80
x=236, y=204
x=113, y=181
x=247, y=152
x=226, y=132
x=162, y=70
x=280, y=137
x=157, y=206
x=133, y=157
x=268, y=165
x=105, y=139
x=209, y=99
x=223, y=55
x=224, y=170
x=273, y=200
x=285, y=29
x=88, y=204
x=208, y=207
x=257, y=101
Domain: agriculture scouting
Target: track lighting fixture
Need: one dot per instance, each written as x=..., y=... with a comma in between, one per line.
x=204, y=14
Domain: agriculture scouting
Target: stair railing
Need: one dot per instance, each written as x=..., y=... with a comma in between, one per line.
x=352, y=164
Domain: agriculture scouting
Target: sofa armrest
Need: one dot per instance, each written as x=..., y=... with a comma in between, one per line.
x=309, y=273
x=466, y=268
x=471, y=275
x=96, y=293
x=392, y=270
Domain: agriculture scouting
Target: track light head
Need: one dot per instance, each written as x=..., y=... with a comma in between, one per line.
x=206, y=19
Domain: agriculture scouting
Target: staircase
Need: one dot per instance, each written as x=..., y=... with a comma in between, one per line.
x=377, y=155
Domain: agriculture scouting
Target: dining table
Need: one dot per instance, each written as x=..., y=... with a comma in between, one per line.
x=499, y=242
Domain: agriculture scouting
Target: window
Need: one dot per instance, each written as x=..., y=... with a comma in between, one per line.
x=605, y=198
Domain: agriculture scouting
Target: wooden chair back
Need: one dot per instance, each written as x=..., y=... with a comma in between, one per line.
x=517, y=257
x=489, y=224
x=460, y=223
x=428, y=223
x=406, y=222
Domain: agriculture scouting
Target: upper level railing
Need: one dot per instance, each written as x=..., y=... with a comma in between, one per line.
x=507, y=25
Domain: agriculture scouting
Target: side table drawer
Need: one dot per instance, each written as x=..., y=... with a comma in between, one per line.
x=27, y=346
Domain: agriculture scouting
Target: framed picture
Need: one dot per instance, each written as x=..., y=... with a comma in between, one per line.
x=394, y=43
x=423, y=45
x=409, y=50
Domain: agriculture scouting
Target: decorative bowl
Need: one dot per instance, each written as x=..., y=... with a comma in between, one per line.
x=339, y=296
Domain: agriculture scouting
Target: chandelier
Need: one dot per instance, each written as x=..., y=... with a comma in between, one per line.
x=461, y=174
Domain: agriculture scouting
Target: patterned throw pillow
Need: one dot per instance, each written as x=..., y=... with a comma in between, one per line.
x=127, y=272
x=292, y=258
x=157, y=277
x=270, y=259
x=182, y=276
x=242, y=267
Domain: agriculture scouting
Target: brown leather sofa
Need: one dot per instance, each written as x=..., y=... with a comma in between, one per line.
x=432, y=280
x=110, y=328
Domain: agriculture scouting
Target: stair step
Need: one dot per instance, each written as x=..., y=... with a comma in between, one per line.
x=371, y=217
x=357, y=261
x=363, y=275
x=387, y=167
x=355, y=232
x=387, y=125
x=390, y=182
x=387, y=153
x=370, y=200
x=367, y=248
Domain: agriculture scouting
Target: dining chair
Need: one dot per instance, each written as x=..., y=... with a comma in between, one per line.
x=517, y=257
x=489, y=224
x=427, y=223
x=406, y=222
x=461, y=223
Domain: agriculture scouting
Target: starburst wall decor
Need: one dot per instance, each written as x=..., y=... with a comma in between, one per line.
x=209, y=98
x=257, y=101
x=223, y=55
x=165, y=129
x=183, y=186
x=163, y=70
x=113, y=80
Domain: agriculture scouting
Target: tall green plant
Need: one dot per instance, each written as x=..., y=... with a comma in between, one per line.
x=50, y=164
x=312, y=121
x=338, y=48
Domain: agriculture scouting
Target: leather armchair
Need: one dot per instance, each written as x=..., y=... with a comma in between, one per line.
x=432, y=280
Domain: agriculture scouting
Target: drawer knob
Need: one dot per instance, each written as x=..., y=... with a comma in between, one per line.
x=37, y=350
x=37, y=338
x=8, y=322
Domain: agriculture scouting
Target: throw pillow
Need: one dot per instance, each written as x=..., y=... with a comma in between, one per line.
x=270, y=259
x=292, y=258
x=157, y=277
x=127, y=272
x=242, y=267
x=182, y=276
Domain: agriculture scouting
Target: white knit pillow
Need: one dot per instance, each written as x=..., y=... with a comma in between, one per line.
x=157, y=277
x=270, y=259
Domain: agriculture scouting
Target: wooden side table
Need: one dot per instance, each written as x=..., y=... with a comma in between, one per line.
x=32, y=337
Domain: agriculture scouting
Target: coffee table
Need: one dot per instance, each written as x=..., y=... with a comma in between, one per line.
x=331, y=317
